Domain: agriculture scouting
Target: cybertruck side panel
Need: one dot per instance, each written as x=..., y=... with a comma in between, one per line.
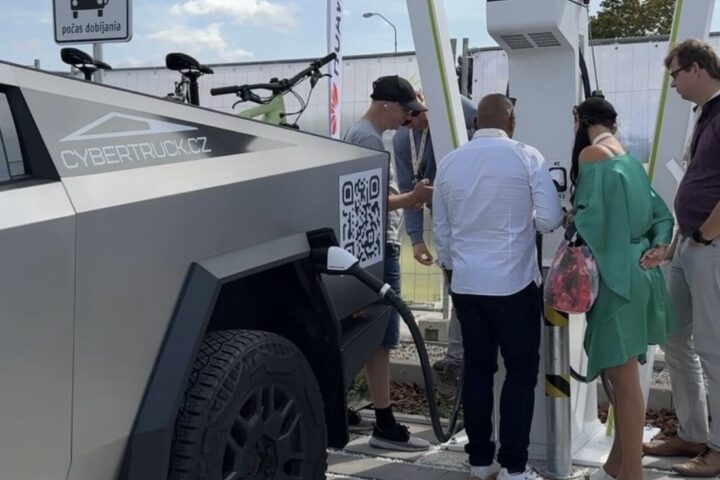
x=128, y=296
x=37, y=241
x=203, y=184
x=7, y=75
x=91, y=141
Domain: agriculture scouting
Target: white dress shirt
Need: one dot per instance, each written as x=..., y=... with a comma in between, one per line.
x=490, y=196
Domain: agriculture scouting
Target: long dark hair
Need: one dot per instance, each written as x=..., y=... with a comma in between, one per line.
x=593, y=111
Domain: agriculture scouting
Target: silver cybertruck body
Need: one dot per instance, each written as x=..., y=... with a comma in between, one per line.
x=160, y=316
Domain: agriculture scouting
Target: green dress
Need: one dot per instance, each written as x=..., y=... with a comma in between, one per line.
x=619, y=216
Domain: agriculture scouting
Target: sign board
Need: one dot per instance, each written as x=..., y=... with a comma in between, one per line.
x=92, y=21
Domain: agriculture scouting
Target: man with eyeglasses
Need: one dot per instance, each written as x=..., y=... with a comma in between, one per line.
x=693, y=276
x=415, y=161
x=393, y=101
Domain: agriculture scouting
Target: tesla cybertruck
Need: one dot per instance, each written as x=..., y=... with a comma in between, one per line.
x=161, y=315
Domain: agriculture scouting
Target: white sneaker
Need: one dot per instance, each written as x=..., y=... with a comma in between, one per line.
x=600, y=474
x=488, y=472
x=528, y=474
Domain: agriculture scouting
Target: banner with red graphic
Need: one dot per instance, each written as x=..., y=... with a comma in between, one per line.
x=335, y=14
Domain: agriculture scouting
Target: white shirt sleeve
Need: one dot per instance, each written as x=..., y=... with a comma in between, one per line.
x=548, y=211
x=441, y=223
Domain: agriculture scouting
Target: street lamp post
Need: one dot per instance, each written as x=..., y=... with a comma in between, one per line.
x=372, y=14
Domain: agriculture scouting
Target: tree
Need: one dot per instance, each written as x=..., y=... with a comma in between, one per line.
x=632, y=18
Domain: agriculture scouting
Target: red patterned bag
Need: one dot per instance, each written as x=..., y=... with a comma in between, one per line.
x=572, y=283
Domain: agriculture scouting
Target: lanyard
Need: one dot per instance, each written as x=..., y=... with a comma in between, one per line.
x=417, y=155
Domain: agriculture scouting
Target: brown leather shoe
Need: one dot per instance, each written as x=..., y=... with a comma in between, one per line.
x=672, y=446
x=707, y=464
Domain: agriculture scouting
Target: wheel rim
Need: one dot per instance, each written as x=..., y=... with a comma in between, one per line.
x=265, y=441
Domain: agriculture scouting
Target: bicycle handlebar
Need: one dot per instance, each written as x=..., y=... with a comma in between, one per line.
x=314, y=66
x=224, y=90
x=280, y=86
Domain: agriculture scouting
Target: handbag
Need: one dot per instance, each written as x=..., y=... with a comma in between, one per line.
x=573, y=280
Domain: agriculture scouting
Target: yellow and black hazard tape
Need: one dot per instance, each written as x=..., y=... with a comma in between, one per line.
x=557, y=386
x=553, y=318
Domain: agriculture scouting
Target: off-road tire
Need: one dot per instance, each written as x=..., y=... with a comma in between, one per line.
x=252, y=407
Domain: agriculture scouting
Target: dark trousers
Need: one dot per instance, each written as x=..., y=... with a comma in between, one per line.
x=512, y=325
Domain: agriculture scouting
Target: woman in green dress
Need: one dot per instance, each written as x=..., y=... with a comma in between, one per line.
x=627, y=227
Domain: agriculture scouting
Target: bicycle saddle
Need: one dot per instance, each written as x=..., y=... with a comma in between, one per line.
x=181, y=62
x=81, y=60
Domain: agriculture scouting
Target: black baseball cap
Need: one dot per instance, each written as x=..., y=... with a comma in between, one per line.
x=393, y=88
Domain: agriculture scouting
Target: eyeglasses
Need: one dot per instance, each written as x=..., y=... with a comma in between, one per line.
x=675, y=73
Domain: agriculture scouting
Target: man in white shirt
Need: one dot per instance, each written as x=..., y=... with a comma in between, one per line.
x=491, y=196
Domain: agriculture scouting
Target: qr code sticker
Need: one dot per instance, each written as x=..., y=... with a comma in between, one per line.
x=361, y=219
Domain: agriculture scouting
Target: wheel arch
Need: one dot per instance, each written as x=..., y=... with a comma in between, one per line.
x=211, y=299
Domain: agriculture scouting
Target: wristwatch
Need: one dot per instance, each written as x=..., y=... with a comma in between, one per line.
x=697, y=236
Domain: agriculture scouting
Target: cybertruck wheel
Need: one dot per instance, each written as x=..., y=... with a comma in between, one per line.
x=252, y=410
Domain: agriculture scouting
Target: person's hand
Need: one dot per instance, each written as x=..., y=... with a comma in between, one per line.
x=422, y=254
x=653, y=257
x=568, y=218
x=422, y=193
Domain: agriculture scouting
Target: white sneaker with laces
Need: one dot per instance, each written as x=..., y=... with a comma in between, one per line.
x=528, y=474
x=488, y=472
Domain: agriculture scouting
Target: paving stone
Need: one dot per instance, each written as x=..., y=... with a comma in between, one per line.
x=662, y=463
x=360, y=461
x=385, y=469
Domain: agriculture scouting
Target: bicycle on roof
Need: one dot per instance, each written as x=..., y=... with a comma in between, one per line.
x=271, y=108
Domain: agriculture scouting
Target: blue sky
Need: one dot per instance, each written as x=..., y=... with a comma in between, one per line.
x=218, y=31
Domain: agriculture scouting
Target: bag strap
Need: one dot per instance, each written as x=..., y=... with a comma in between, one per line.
x=570, y=232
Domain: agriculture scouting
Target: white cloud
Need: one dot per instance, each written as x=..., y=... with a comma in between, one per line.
x=245, y=12
x=200, y=42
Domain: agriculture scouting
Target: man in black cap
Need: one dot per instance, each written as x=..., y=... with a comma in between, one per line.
x=393, y=102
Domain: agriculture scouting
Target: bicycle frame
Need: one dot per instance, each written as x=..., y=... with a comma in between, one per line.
x=272, y=112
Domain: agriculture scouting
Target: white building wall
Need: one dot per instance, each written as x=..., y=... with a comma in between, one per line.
x=630, y=74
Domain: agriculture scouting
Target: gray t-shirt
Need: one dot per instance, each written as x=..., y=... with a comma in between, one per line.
x=365, y=134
